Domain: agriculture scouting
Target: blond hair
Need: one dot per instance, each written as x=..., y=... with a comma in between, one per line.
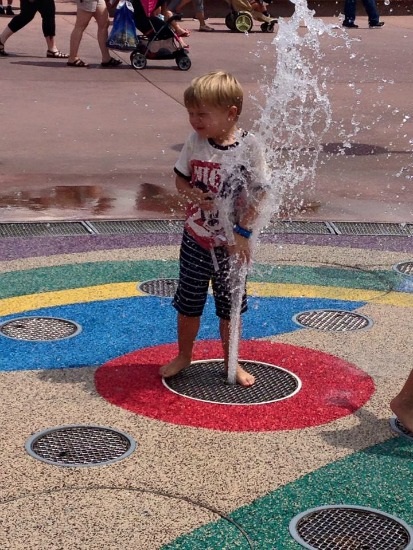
x=217, y=88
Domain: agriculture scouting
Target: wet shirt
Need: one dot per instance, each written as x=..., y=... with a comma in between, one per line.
x=232, y=173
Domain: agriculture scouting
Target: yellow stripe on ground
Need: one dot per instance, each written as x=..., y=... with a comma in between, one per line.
x=28, y=302
x=19, y=304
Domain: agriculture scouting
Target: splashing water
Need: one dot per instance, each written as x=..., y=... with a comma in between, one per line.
x=293, y=120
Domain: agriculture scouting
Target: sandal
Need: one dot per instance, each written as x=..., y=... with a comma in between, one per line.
x=111, y=63
x=205, y=28
x=57, y=53
x=77, y=63
x=2, y=52
x=185, y=33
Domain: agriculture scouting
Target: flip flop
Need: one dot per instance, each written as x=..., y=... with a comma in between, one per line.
x=111, y=63
x=206, y=28
x=77, y=63
x=57, y=53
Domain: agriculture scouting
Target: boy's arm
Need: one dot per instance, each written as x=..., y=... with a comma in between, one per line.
x=244, y=228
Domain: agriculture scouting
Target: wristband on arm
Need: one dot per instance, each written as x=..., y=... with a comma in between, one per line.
x=246, y=233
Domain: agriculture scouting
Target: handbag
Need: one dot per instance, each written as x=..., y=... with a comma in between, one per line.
x=123, y=34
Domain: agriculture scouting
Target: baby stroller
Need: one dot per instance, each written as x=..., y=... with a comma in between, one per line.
x=158, y=40
x=242, y=15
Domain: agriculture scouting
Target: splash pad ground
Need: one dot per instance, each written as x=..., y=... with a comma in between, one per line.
x=202, y=475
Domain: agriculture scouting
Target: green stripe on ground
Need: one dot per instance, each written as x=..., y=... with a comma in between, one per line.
x=63, y=277
x=68, y=276
x=379, y=477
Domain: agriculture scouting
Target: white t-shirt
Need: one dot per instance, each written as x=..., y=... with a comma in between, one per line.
x=232, y=173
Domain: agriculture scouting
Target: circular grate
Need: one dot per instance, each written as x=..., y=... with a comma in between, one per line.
x=79, y=445
x=206, y=381
x=160, y=287
x=405, y=268
x=44, y=329
x=398, y=428
x=350, y=528
x=332, y=320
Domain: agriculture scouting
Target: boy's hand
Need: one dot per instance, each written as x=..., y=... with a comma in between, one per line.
x=204, y=199
x=240, y=249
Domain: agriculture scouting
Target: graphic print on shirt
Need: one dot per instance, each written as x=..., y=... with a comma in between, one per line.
x=207, y=227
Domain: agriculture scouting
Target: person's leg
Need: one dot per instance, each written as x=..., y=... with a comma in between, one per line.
x=82, y=21
x=177, y=7
x=243, y=377
x=349, y=12
x=5, y=35
x=371, y=9
x=195, y=267
x=8, y=10
x=102, y=19
x=188, y=328
x=200, y=15
x=47, y=10
x=222, y=283
x=27, y=12
x=402, y=404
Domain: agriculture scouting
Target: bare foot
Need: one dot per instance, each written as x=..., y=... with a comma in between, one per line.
x=244, y=378
x=174, y=366
x=404, y=412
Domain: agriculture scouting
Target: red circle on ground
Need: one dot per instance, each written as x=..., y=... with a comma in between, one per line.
x=331, y=388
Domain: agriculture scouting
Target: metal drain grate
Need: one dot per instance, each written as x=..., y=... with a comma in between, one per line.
x=333, y=320
x=39, y=329
x=355, y=228
x=405, y=268
x=318, y=228
x=159, y=287
x=79, y=445
x=399, y=429
x=206, y=381
x=56, y=229
x=128, y=227
x=350, y=528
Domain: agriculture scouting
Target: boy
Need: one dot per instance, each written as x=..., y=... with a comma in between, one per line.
x=218, y=165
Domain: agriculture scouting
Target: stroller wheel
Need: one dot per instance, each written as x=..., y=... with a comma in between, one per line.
x=138, y=60
x=243, y=22
x=183, y=62
x=230, y=21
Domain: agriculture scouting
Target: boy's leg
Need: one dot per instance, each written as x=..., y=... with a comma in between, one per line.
x=188, y=328
x=243, y=377
x=195, y=266
x=402, y=404
x=222, y=282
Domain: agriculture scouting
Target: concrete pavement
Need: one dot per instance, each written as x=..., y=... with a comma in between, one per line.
x=115, y=134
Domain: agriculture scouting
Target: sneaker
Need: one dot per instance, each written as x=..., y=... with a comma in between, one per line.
x=376, y=25
x=9, y=10
x=350, y=25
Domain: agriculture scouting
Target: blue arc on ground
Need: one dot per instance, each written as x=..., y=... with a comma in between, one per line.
x=114, y=327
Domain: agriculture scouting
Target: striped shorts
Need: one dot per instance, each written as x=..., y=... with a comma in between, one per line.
x=196, y=270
